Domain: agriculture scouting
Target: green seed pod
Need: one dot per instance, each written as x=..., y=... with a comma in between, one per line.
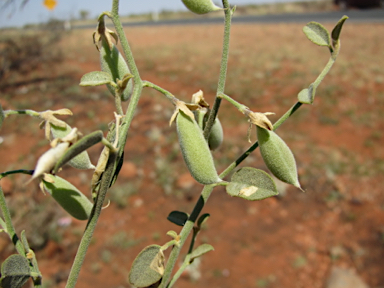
x=216, y=135
x=82, y=160
x=195, y=150
x=114, y=63
x=201, y=6
x=277, y=156
x=69, y=197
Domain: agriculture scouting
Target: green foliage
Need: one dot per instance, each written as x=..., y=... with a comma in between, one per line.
x=148, y=267
x=196, y=138
x=251, y=184
x=15, y=271
x=201, y=6
x=69, y=197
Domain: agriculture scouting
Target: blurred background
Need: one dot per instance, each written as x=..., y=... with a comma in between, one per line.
x=332, y=233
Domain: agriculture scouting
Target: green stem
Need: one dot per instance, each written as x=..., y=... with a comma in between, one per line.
x=242, y=108
x=21, y=112
x=110, y=168
x=166, y=93
x=223, y=69
x=180, y=271
x=325, y=71
x=207, y=190
x=205, y=195
x=20, y=171
x=91, y=225
x=9, y=226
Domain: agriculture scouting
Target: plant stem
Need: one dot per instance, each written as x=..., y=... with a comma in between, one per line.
x=238, y=105
x=207, y=190
x=21, y=112
x=91, y=225
x=166, y=93
x=9, y=226
x=223, y=69
x=20, y=171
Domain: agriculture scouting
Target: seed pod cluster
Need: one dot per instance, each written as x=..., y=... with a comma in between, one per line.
x=277, y=156
x=114, y=63
x=195, y=150
x=69, y=197
x=200, y=6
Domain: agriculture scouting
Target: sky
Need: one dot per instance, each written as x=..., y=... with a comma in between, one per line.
x=34, y=11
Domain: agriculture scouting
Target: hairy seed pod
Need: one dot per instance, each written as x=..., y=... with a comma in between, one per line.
x=114, y=63
x=82, y=160
x=69, y=197
x=195, y=150
x=277, y=156
x=201, y=6
x=216, y=135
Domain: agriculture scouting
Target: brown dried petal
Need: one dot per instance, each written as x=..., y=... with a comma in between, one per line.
x=261, y=119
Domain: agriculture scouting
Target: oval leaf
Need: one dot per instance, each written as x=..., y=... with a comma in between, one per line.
x=178, y=218
x=148, y=267
x=307, y=95
x=251, y=184
x=15, y=271
x=69, y=197
x=202, y=219
x=201, y=250
x=317, y=34
x=337, y=30
x=96, y=78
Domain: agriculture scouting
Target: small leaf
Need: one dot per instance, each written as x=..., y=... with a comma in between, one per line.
x=317, y=34
x=202, y=219
x=178, y=218
x=337, y=30
x=77, y=148
x=307, y=95
x=15, y=271
x=251, y=184
x=201, y=250
x=96, y=78
x=148, y=267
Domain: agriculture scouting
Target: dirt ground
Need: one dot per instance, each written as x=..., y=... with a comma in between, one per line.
x=289, y=241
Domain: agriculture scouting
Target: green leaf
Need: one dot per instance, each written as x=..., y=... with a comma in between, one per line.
x=178, y=218
x=201, y=250
x=77, y=148
x=251, y=184
x=307, y=95
x=15, y=271
x=148, y=267
x=317, y=34
x=96, y=78
x=337, y=30
x=69, y=197
x=202, y=219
